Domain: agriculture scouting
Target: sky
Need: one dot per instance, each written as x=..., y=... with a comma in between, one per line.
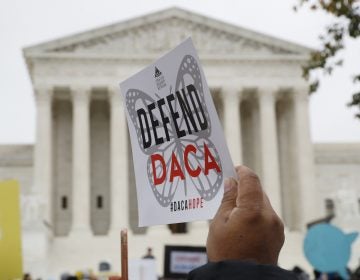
x=25, y=23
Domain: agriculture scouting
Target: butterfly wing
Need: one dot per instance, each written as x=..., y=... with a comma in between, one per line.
x=189, y=73
x=164, y=192
x=207, y=185
x=136, y=99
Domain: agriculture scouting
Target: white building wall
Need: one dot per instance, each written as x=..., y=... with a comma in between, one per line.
x=16, y=162
x=338, y=178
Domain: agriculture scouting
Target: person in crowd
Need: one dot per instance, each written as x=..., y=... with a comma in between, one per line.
x=27, y=276
x=335, y=276
x=317, y=274
x=245, y=236
x=300, y=273
x=149, y=254
x=356, y=274
x=64, y=276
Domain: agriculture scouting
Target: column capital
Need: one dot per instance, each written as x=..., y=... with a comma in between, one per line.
x=114, y=95
x=44, y=94
x=267, y=94
x=80, y=94
x=231, y=92
x=301, y=94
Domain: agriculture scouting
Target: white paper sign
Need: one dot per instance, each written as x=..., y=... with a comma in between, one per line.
x=142, y=269
x=179, y=150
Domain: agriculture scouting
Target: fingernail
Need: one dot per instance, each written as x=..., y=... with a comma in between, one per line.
x=228, y=184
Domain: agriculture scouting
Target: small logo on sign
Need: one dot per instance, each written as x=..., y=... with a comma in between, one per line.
x=159, y=78
x=157, y=72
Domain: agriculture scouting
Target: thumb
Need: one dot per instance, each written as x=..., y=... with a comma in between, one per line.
x=250, y=190
x=229, y=199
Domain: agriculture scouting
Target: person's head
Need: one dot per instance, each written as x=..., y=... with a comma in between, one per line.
x=297, y=270
x=317, y=274
x=27, y=276
x=149, y=250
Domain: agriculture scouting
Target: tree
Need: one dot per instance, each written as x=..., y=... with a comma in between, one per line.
x=347, y=23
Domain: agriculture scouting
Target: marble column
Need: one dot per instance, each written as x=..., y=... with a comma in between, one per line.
x=304, y=158
x=119, y=164
x=81, y=160
x=269, y=147
x=43, y=150
x=232, y=123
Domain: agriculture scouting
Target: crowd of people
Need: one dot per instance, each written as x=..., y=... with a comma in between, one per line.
x=317, y=275
x=299, y=273
x=244, y=239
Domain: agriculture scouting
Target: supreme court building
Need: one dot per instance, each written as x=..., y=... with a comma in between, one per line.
x=78, y=179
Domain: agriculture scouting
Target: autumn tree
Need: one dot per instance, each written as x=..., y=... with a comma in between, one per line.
x=346, y=23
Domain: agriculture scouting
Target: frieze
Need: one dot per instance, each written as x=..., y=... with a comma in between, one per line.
x=337, y=159
x=160, y=36
x=16, y=155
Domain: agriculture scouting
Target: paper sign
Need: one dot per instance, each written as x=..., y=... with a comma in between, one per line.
x=142, y=269
x=179, y=150
x=10, y=231
x=328, y=248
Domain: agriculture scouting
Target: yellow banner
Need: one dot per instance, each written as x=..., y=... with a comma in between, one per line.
x=10, y=231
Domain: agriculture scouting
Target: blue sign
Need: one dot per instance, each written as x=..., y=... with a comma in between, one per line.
x=328, y=249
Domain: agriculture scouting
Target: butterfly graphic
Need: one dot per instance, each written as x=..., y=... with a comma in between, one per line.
x=207, y=186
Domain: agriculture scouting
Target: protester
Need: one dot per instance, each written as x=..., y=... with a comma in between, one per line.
x=334, y=276
x=149, y=254
x=245, y=236
x=317, y=275
x=27, y=276
x=300, y=273
x=356, y=274
x=64, y=276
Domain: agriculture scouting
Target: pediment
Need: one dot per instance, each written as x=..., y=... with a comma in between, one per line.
x=159, y=32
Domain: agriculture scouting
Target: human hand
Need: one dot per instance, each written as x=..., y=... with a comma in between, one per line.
x=245, y=227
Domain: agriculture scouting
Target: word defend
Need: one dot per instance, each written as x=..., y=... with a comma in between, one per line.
x=179, y=150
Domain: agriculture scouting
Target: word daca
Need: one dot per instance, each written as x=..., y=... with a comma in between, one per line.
x=187, y=111
x=187, y=204
x=176, y=170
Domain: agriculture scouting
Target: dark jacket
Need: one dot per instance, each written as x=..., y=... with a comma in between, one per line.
x=238, y=270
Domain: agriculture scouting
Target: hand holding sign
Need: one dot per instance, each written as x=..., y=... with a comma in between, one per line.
x=245, y=227
x=179, y=150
